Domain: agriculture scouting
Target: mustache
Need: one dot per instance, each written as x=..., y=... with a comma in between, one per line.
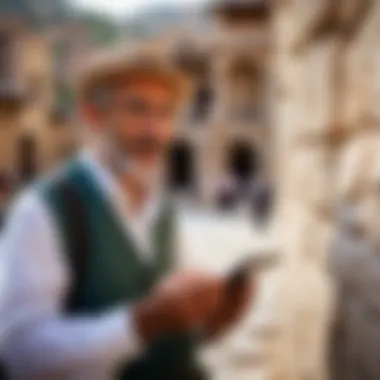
x=145, y=144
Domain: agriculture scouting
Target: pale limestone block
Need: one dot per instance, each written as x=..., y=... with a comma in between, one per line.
x=309, y=177
x=361, y=68
x=316, y=104
x=303, y=296
x=374, y=172
x=352, y=165
x=299, y=352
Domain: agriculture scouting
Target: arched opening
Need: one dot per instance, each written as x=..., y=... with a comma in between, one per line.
x=27, y=158
x=181, y=168
x=243, y=161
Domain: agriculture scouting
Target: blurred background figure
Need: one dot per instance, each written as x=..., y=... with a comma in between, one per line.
x=227, y=193
x=261, y=199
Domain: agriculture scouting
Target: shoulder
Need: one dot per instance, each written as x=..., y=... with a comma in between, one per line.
x=32, y=202
x=27, y=212
x=27, y=203
x=31, y=211
x=31, y=237
x=41, y=205
x=31, y=247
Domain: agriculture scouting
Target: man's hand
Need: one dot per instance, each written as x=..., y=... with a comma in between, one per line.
x=183, y=302
x=234, y=302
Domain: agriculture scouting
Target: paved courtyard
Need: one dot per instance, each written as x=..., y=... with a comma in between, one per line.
x=218, y=241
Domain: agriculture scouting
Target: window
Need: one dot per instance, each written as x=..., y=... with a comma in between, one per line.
x=181, y=171
x=6, y=64
x=244, y=161
x=202, y=102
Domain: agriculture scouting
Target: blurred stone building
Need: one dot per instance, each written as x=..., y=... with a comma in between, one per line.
x=34, y=130
x=226, y=133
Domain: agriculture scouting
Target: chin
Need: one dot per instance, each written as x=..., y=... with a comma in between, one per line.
x=149, y=178
x=148, y=169
x=150, y=160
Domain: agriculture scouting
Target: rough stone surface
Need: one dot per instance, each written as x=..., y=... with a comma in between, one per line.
x=327, y=132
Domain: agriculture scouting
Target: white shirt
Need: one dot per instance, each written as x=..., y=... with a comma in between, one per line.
x=43, y=343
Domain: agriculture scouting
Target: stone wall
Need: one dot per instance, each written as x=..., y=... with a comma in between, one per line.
x=327, y=133
x=31, y=115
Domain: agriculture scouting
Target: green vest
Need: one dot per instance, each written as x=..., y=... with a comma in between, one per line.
x=115, y=272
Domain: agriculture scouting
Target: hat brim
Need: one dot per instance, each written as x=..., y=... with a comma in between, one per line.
x=110, y=74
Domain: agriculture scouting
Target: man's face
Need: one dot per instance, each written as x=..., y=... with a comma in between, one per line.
x=140, y=120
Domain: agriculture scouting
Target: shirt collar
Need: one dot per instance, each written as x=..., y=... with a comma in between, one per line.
x=112, y=189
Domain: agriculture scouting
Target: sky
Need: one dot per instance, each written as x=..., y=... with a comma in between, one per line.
x=120, y=8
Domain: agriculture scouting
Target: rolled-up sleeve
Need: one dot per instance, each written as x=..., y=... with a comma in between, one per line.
x=40, y=340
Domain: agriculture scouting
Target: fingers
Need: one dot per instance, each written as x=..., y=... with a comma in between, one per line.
x=232, y=308
x=192, y=300
x=203, y=292
x=183, y=302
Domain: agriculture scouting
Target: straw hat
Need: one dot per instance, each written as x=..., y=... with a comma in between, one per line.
x=108, y=69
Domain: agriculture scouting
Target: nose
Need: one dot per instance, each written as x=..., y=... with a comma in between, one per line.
x=150, y=125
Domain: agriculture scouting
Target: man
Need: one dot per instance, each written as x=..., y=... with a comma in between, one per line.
x=96, y=295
